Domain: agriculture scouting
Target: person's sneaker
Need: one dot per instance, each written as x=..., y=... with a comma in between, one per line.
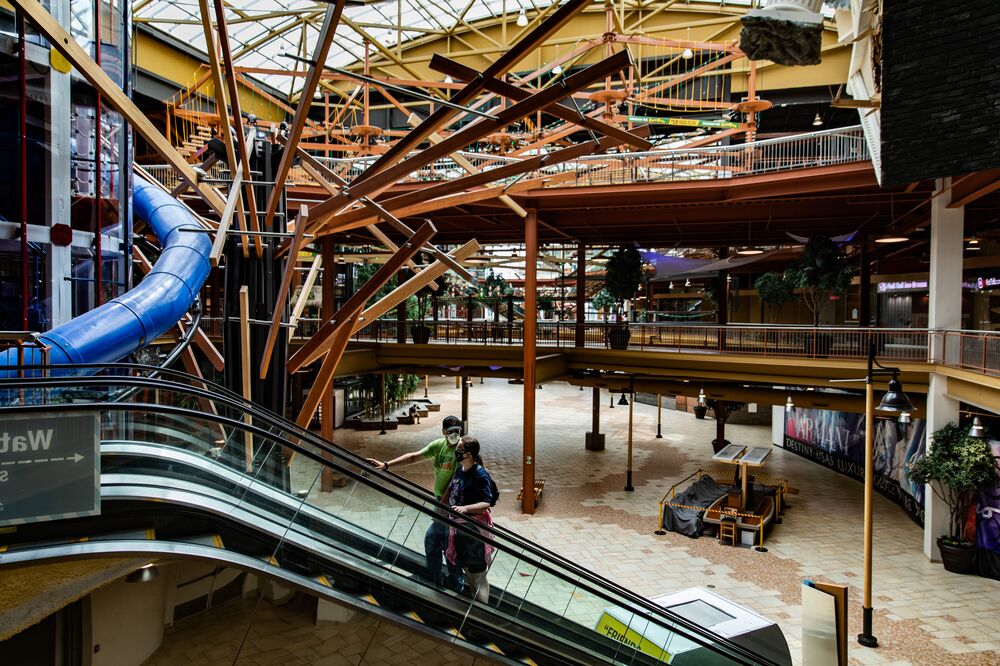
x=455, y=584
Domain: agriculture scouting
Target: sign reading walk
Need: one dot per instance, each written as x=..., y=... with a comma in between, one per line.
x=49, y=467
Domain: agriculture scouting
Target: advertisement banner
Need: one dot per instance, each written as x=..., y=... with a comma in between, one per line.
x=988, y=512
x=837, y=440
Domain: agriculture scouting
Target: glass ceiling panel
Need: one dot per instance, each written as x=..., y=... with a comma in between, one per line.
x=251, y=21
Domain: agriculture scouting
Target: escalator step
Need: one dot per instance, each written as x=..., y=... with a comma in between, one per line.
x=213, y=540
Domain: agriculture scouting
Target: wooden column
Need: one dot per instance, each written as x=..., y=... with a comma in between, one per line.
x=327, y=308
x=465, y=404
x=659, y=416
x=628, y=470
x=530, y=275
x=594, y=438
x=245, y=371
x=581, y=293
x=401, y=314
x=865, y=289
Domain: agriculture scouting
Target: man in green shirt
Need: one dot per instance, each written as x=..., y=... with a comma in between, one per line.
x=441, y=452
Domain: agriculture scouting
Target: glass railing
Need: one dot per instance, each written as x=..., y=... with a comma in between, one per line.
x=328, y=514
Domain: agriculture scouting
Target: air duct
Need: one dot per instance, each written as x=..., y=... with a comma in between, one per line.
x=788, y=32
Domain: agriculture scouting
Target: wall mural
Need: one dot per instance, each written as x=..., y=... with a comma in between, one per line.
x=837, y=440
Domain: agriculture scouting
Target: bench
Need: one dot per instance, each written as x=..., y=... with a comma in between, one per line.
x=539, y=487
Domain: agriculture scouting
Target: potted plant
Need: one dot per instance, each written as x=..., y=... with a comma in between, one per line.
x=822, y=272
x=622, y=277
x=700, y=410
x=774, y=291
x=955, y=467
x=416, y=310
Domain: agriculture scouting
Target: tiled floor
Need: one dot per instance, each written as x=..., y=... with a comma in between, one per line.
x=923, y=615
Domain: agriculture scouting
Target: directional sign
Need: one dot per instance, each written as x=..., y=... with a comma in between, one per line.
x=683, y=122
x=49, y=467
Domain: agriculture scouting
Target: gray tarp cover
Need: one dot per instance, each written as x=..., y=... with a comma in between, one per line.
x=703, y=493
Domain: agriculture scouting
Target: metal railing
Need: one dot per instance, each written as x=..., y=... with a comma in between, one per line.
x=895, y=344
x=970, y=350
x=815, y=149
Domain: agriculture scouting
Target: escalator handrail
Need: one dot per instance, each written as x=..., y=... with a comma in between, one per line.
x=596, y=585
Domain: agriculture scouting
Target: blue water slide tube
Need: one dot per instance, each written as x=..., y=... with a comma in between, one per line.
x=111, y=332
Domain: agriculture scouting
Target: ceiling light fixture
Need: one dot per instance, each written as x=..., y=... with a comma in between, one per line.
x=448, y=79
x=977, y=429
x=701, y=396
x=818, y=120
x=522, y=18
x=750, y=251
x=687, y=283
x=789, y=405
x=557, y=70
x=687, y=54
x=892, y=239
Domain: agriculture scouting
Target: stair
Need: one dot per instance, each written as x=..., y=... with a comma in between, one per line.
x=195, y=142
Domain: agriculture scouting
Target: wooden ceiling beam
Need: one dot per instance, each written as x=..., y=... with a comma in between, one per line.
x=320, y=54
x=456, y=70
x=501, y=66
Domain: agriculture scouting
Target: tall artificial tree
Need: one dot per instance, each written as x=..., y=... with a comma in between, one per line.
x=822, y=271
x=623, y=276
x=774, y=291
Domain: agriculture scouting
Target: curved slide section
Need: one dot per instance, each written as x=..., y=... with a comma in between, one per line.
x=111, y=332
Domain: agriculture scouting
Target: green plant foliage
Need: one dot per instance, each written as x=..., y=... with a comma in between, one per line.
x=624, y=275
x=956, y=467
x=774, y=290
x=603, y=301
x=822, y=271
x=494, y=286
x=365, y=272
x=396, y=391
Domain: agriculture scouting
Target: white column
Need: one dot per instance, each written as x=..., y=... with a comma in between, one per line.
x=59, y=264
x=944, y=312
x=778, y=425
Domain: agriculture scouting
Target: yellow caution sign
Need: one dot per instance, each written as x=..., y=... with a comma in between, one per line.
x=614, y=628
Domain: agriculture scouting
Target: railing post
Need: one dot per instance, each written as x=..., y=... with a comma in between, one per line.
x=982, y=366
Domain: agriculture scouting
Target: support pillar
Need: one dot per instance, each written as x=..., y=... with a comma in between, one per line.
x=628, y=470
x=60, y=260
x=327, y=414
x=659, y=416
x=581, y=294
x=944, y=312
x=530, y=316
x=865, y=289
x=465, y=404
x=722, y=300
x=595, y=438
x=401, y=313
x=381, y=406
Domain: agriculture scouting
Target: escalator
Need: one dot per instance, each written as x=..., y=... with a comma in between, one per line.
x=189, y=470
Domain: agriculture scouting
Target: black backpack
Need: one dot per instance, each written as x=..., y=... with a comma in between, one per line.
x=494, y=491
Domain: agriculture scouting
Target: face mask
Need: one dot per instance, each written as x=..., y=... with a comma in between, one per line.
x=453, y=438
x=459, y=456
